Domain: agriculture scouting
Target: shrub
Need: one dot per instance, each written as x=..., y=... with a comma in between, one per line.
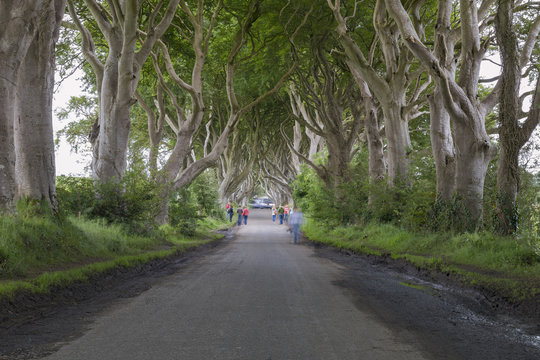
x=183, y=212
x=75, y=195
x=206, y=194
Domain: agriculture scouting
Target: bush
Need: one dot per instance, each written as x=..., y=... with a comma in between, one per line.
x=183, y=212
x=206, y=194
x=75, y=195
x=131, y=202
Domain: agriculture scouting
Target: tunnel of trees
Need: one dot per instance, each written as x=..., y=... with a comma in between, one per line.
x=357, y=111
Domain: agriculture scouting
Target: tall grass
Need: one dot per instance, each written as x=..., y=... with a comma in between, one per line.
x=30, y=245
x=38, y=253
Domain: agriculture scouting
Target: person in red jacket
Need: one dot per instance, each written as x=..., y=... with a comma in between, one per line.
x=245, y=213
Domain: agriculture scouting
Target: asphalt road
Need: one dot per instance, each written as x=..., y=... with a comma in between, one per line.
x=258, y=297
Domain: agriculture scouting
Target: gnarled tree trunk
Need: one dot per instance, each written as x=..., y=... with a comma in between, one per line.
x=474, y=150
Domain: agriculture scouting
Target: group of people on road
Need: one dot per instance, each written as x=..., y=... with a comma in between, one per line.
x=295, y=218
x=241, y=211
x=284, y=213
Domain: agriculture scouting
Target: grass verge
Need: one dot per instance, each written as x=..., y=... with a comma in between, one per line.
x=507, y=266
x=38, y=254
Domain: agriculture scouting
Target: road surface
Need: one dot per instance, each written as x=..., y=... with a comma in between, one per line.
x=260, y=297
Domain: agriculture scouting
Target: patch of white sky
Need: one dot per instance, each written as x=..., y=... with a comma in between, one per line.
x=68, y=162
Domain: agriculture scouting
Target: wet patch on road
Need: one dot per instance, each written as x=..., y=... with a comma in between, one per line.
x=448, y=321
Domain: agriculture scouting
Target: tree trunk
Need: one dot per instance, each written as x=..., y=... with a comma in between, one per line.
x=390, y=91
x=398, y=142
x=297, y=140
x=30, y=30
x=110, y=150
x=472, y=159
x=34, y=138
x=473, y=146
x=117, y=80
x=509, y=107
x=7, y=148
x=18, y=29
x=442, y=146
x=442, y=143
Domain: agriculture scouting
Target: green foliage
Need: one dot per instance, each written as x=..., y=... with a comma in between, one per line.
x=190, y=205
x=183, y=212
x=81, y=113
x=205, y=190
x=528, y=202
x=357, y=201
x=76, y=195
x=131, y=202
x=449, y=216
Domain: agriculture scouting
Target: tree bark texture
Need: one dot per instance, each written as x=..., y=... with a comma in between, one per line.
x=377, y=163
x=509, y=107
x=512, y=136
x=442, y=147
x=34, y=138
x=30, y=32
x=442, y=142
x=19, y=25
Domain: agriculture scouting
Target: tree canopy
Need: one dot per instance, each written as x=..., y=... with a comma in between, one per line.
x=264, y=90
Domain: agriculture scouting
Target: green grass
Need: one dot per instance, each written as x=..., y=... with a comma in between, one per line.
x=41, y=253
x=508, y=265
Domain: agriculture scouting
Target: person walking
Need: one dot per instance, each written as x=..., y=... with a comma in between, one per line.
x=240, y=212
x=274, y=213
x=286, y=211
x=280, y=214
x=230, y=212
x=296, y=220
x=245, y=213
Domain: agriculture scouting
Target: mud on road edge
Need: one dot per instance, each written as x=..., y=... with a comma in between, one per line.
x=482, y=297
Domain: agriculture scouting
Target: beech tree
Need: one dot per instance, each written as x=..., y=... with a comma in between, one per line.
x=29, y=33
x=474, y=149
x=117, y=77
x=176, y=172
x=391, y=87
x=236, y=162
x=315, y=141
x=327, y=93
x=512, y=134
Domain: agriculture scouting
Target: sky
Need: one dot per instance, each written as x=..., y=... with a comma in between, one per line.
x=67, y=162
